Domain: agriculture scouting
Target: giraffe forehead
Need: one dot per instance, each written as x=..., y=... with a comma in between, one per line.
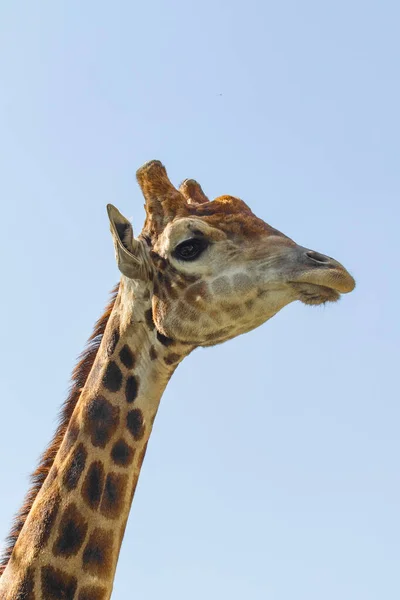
x=233, y=217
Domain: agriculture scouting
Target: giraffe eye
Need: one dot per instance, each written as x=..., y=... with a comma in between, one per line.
x=190, y=249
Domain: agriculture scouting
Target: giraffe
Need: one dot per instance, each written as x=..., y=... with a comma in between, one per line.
x=201, y=272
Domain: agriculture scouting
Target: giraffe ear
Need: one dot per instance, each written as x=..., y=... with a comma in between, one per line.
x=127, y=249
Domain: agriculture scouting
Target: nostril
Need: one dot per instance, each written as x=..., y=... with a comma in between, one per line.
x=318, y=258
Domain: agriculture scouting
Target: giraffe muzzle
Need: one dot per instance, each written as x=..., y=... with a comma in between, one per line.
x=321, y=270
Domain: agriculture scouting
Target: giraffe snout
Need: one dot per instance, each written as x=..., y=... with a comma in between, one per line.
x=323, y=270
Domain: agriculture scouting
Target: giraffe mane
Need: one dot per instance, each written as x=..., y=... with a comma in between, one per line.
x=78, y=380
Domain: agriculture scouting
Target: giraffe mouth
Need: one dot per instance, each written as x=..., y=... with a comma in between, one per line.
x=314, y=294
x=320, y=278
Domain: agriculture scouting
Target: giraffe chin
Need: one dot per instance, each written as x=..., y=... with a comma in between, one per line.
x=313, y=294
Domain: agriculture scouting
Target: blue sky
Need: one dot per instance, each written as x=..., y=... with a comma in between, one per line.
x=272, y=471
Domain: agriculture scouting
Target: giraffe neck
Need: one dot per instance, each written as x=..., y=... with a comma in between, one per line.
x=69, y=545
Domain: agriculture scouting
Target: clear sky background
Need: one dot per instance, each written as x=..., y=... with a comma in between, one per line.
x=273, y=469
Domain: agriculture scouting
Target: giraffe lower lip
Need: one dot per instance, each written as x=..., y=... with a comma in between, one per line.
x=313, y=294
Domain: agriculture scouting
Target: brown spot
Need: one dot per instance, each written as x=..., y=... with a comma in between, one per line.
x=57, y=585
x=122, y=454
x=43, y=520
x=142, y=455
x=113, y=498
x=152, y=353
x=112, y=342
x=187, y=312
x=164, y=340
x=148, y=315
x=181, y=283
x=131, y=388
x=71, y=435
x=220, y=333
x=169, y=290
x=221, y=286
x=126, y=357
x=249, y=304
x=172, y=358
x=71, y=533
x=195, y=291
x=262, y=293
x=242, y=283
x=235, y=310
x=97, y=555
x=135, y=423
x=93, y=592
x=112, y=378
x=101, y=420
x=93, y=484
x=158, y=260
x=58, y=443
x=189, y=278
x=25, y=588
x=75, y=467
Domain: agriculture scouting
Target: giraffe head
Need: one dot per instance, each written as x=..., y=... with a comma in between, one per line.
x=215, y=270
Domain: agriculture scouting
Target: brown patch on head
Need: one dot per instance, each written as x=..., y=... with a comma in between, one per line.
x=186, y=312
x=93, y=592
x=75, y=467
x=101, y=420
x=221, y=285
x=24, y=589
x=93, y=484
x=218, y=335
x=234, y=310
x=249, y=304
x=196, y=293
x=97, y=555
x=233, y=217
x=113, y=498
x=71, y=532
x=152, y=353
x=242, y=283
x=135, y=423
x=57, y=585
x=167, y=287
x=122, y=454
